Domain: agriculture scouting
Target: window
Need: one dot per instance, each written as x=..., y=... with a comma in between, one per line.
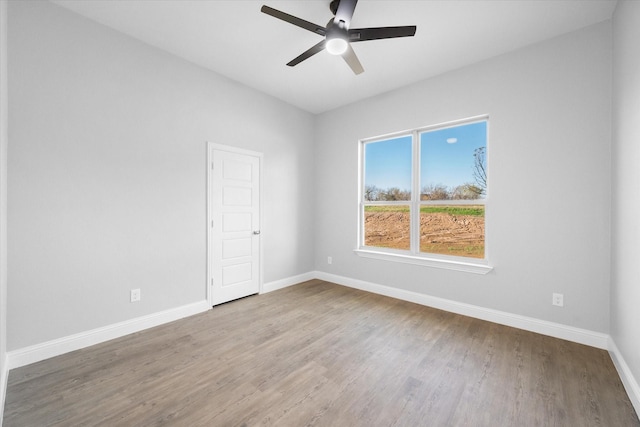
x=424, y=192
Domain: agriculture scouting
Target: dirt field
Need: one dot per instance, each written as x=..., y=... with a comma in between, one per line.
x=442, y=233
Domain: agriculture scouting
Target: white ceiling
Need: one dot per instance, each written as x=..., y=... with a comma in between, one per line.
x=236, y=40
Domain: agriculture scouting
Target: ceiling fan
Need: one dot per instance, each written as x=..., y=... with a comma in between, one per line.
x=338, y=35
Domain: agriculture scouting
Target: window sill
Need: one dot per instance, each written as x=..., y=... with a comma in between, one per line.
x=470, y=267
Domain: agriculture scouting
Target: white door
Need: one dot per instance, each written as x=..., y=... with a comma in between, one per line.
x=234, y=212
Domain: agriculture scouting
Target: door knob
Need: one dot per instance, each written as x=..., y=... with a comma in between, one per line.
x=256, y=232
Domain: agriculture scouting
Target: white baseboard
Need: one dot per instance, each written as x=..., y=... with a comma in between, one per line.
x=289, y=281
x=569, y=333
x=628, y=380
x=60, y=346
x=38, y=352
x=4, y=376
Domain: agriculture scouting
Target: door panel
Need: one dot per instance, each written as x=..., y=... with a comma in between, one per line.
x=236, y=196
x=235, y=226
x=234, y=248
x=236, y=274
x=236, y=222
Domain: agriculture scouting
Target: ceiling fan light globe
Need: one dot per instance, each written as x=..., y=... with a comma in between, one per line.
x=336, y=46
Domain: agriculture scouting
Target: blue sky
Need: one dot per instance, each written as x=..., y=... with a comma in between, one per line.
x=388, y=162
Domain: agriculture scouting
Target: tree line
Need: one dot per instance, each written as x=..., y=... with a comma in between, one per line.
x=430, y=192
x=467, y=191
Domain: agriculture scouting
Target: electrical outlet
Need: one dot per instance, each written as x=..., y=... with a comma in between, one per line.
x=558, y=299
x=329, y=260
x=135, y=295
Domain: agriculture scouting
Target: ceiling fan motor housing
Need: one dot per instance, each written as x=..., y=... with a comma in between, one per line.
x=338, y=35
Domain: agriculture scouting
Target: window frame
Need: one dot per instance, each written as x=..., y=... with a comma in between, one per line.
x=413, y=255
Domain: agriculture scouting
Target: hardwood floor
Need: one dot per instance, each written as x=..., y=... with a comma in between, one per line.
x=323, y=355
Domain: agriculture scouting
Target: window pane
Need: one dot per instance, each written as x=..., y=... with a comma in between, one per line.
x=453, y=163
x=387, y=226
x=387, y=169
x=452, y=230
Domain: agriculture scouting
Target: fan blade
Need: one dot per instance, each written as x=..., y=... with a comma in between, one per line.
x=345, y=11
x=363, y=34
x=318, y=29
x=351, y=59
x=307, y=54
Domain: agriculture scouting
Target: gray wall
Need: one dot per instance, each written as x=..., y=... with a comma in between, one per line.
x=107, y=175
x=625, y=279
x=548, y=209
x=3, y=200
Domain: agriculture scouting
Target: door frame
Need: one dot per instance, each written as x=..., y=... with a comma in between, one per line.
x=211, y=146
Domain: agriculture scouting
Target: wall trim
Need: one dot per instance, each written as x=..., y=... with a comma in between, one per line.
x=46, y=350
x=4, y=378
x=628, y=380
x=38, y=352
x=556, y=330
x=289, y=281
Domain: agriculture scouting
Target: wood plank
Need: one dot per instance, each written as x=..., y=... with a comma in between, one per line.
x=319, y=354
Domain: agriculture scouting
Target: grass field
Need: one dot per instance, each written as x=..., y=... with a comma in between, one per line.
x=473, y=210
